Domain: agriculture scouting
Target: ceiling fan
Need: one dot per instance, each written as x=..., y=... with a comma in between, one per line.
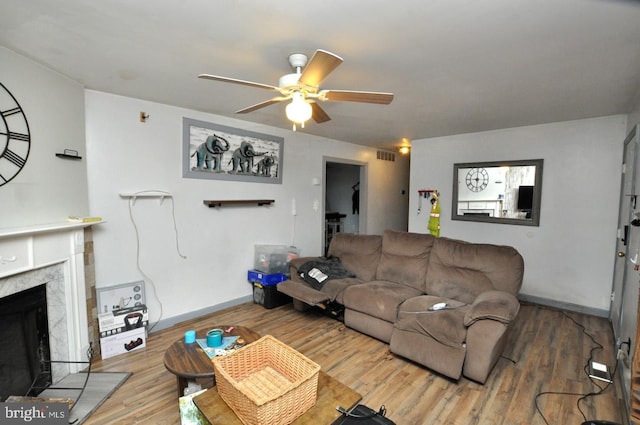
x=302, y=88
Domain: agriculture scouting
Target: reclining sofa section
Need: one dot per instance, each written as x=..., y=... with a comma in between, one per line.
x=401, y=276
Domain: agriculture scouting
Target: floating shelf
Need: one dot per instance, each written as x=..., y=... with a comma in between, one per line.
x=69, y=154
x=146, y=194
x=259, y=202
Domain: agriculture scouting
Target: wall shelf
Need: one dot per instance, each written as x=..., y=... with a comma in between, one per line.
x=259, y=202
x=69, y=154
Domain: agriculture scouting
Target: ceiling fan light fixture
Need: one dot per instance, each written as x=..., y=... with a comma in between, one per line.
x=298, y=111
x=303, y=88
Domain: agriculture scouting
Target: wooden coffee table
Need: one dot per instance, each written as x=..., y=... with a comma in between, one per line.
x=331, y=394
x=189, y=362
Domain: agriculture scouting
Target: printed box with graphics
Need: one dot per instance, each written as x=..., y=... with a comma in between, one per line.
x=123, y=320
x=123, y=342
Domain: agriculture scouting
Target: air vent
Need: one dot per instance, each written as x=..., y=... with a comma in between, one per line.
x=386, y=156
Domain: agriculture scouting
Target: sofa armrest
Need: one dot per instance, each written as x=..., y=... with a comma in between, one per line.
x=494, y=305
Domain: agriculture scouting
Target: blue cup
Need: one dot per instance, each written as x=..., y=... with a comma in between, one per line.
x=214, y=338
x=190, y=337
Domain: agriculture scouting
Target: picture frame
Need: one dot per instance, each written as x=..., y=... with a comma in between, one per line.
x=218, y=152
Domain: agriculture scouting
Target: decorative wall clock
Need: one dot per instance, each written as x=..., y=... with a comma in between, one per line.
x=477, y=179
x=15, y=139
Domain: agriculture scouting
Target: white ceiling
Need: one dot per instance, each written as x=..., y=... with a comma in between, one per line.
x=455, y=66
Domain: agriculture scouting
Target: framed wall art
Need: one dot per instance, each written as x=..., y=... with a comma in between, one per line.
x=212, y=151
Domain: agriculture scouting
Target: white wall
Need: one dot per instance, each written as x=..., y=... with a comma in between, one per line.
x=387, y=196
x=125, y=155
x=569, y=257
x=48, y=189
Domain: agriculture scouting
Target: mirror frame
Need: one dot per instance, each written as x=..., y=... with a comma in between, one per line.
x=537, y=193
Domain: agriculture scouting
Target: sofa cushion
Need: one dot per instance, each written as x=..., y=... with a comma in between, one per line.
x=358, y=253
x=445, y=326
x=404, y=258
x=461, y=270
x=335, y=288
x=378, y=298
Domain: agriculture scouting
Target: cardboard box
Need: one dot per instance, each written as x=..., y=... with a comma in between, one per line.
x=123, y=320
x=123, y=342
x=120, y=296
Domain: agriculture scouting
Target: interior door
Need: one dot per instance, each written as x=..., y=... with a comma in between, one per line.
x=627, y=267
x=344, y=204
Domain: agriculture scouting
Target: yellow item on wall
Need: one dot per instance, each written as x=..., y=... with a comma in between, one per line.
x=434, y=215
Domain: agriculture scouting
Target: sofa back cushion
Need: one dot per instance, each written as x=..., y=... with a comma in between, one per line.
x=461, y=270
x=404, y=258
x=358, y=253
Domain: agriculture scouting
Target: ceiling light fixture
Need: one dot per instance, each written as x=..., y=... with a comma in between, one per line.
x=405, y=146
x=404, y=149
x=298, y=111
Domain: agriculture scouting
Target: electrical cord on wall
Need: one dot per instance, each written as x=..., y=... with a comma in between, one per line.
x=583, y=396
x=135, y=227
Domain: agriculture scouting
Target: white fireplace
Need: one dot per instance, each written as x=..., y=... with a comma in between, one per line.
x=51, y=255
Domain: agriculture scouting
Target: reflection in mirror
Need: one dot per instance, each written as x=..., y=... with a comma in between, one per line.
x=506, y=192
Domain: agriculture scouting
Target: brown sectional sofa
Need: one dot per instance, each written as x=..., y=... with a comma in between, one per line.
x=400, y=276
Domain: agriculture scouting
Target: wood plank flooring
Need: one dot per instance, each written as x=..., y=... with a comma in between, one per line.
x=547, y=353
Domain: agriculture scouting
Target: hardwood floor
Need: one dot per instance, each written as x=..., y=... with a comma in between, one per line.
x=547, y=353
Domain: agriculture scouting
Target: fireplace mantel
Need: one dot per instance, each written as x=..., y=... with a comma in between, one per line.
x=27, y=248
x=34, y=247
x=62, y=226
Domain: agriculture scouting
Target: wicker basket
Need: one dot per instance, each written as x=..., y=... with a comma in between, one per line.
x=267, y=382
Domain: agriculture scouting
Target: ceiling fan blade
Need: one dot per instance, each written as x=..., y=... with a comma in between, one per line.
x=261, y=105
x=318, y=114
x=236, y=81
x=357, y=96
x=320, y=65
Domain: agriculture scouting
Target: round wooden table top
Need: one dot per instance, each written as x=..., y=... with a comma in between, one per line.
x=191, y=362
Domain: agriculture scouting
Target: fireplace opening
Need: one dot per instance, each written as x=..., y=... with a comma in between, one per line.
x=24, y=343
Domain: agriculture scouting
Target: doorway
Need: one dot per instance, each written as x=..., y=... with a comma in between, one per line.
x=344, y=198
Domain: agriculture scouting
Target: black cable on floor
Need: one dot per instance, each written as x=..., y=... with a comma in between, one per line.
x=583, y=396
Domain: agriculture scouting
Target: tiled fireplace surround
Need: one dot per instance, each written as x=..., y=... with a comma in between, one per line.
x=60, y=256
